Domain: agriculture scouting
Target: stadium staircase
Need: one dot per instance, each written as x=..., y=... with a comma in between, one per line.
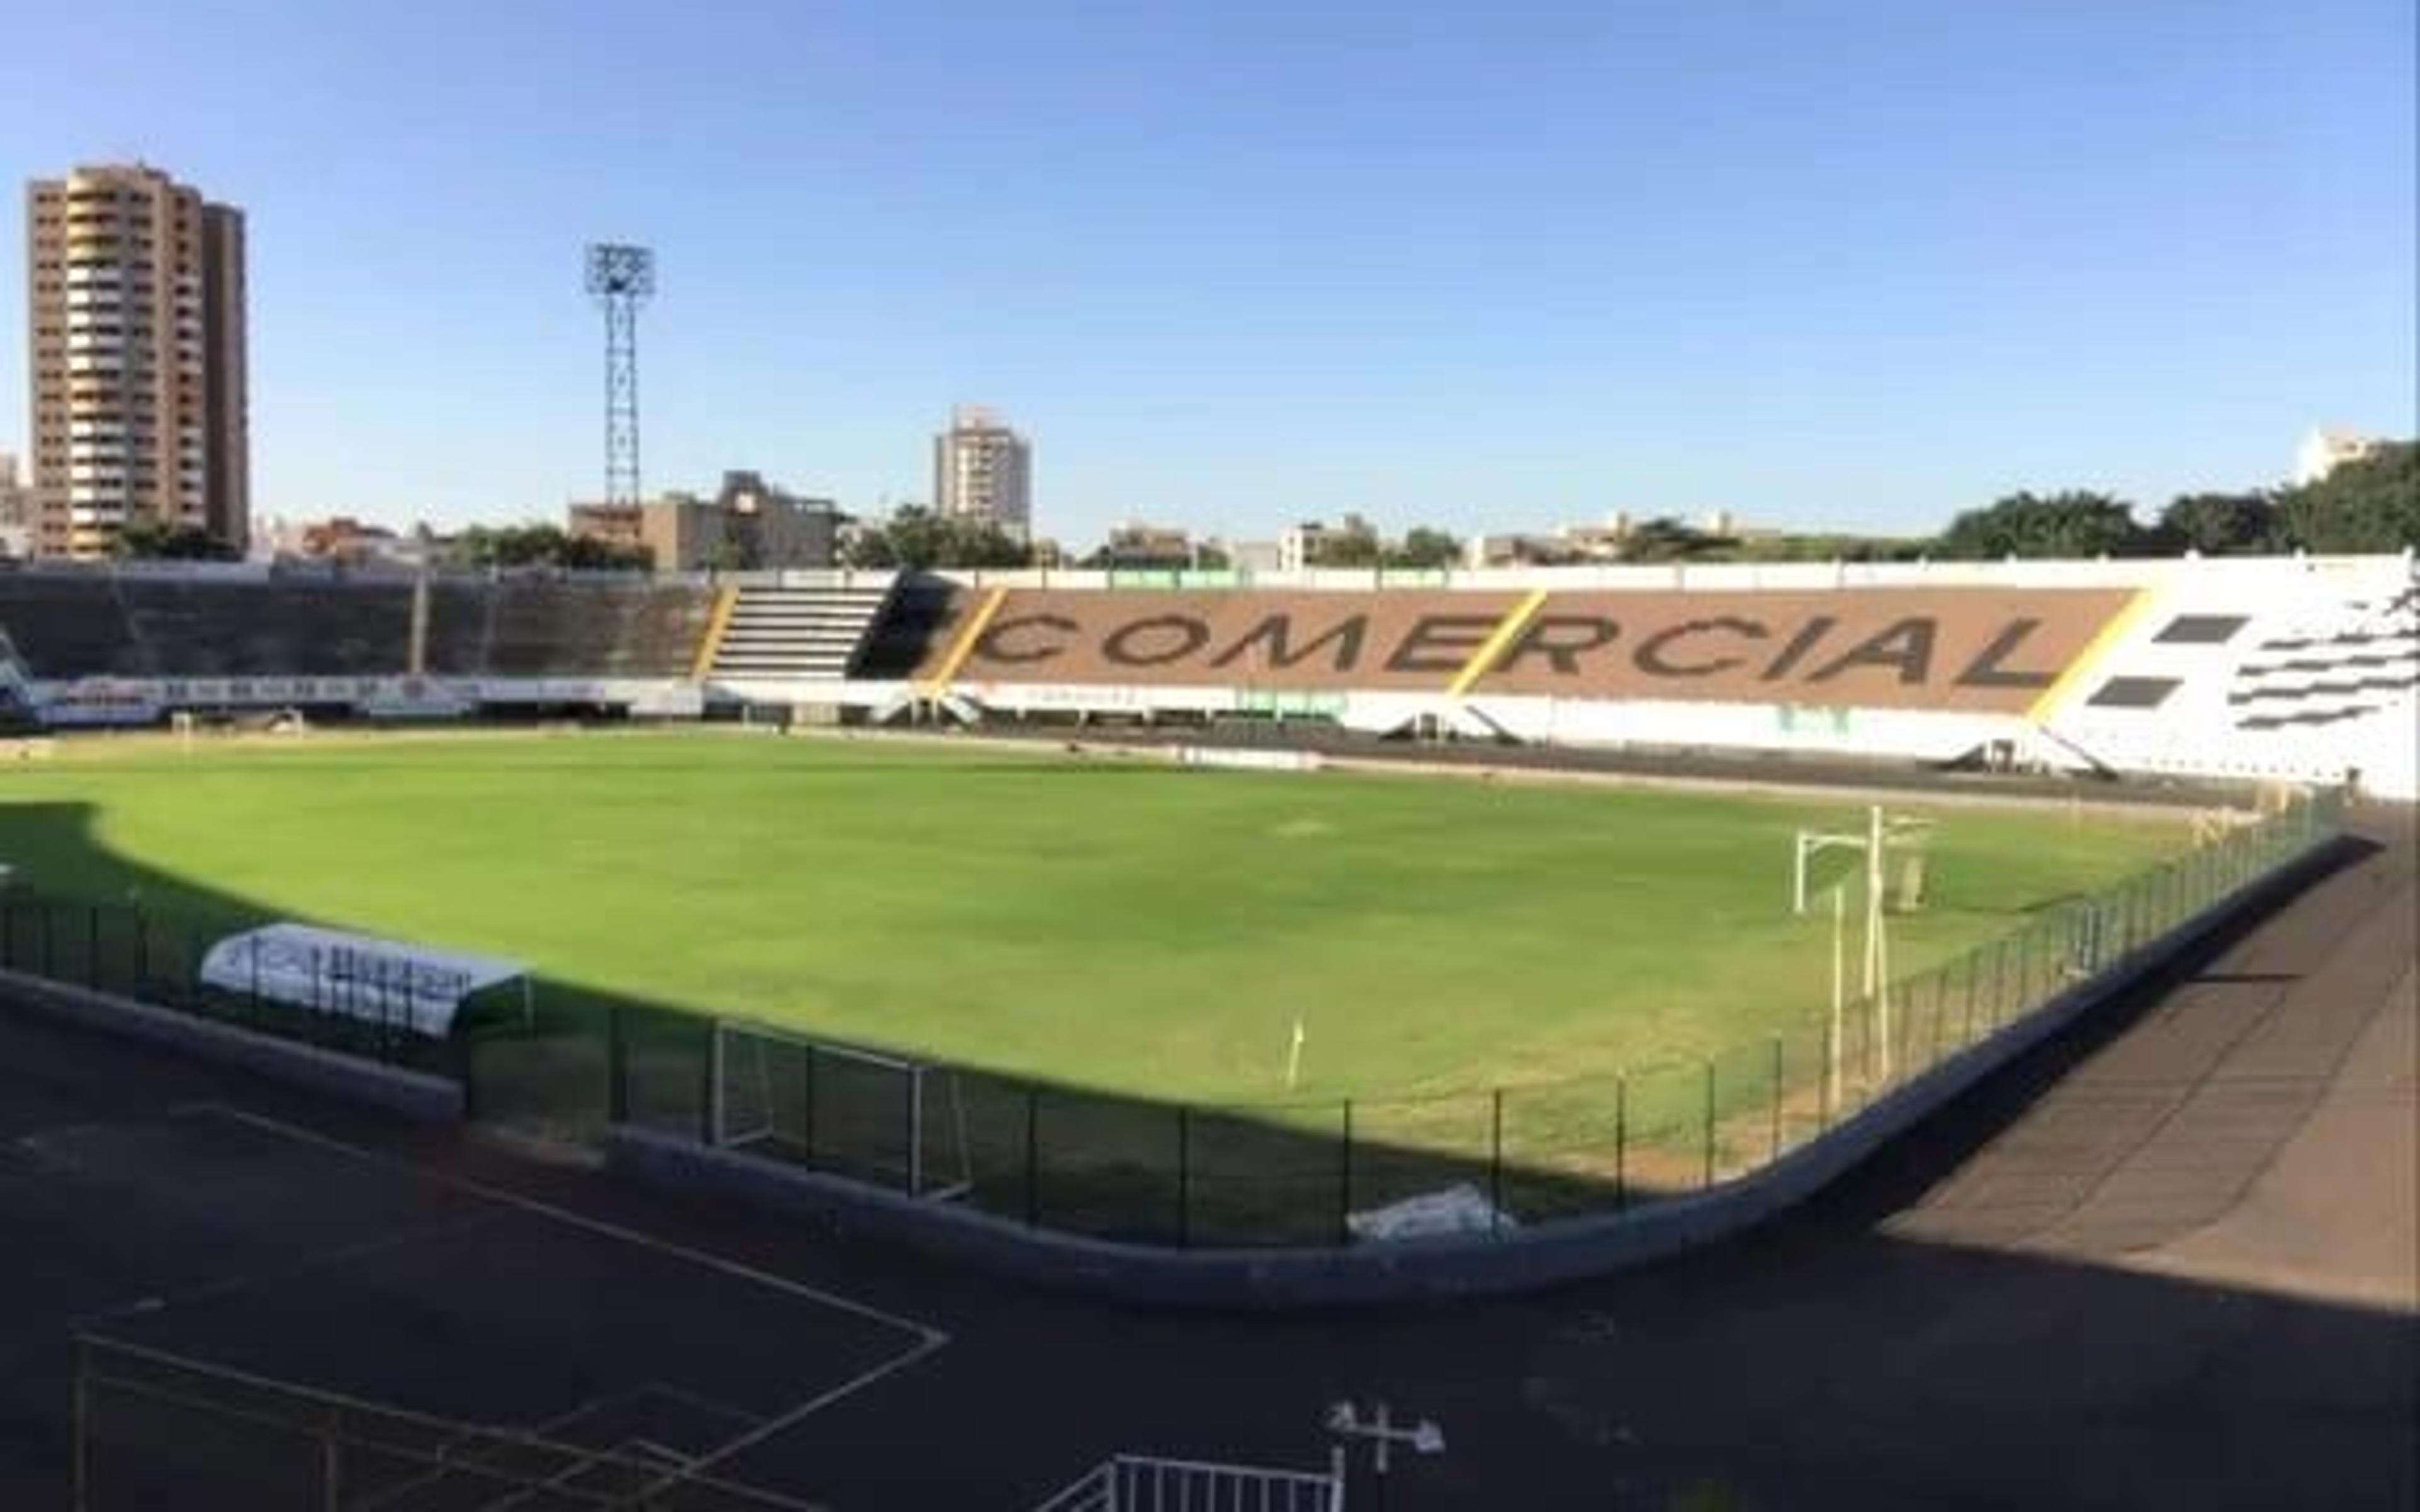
x=786, y=634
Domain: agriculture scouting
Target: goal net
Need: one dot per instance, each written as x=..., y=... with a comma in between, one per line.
x=886, y=1119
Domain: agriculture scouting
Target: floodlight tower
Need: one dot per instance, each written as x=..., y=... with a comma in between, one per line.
x=620, y=279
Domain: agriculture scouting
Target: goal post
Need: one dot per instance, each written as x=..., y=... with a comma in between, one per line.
x=889, y=1121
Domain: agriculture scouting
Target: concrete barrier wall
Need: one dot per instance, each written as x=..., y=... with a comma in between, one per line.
x=1545, y=1255
x=415, y=1095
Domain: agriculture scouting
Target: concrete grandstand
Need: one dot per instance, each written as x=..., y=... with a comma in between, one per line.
x=2264, y=669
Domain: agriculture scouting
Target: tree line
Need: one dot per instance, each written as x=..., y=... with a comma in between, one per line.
x=2370, y=505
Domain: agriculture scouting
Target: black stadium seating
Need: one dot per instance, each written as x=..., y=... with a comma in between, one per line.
x=202, y=629
x=67, y=624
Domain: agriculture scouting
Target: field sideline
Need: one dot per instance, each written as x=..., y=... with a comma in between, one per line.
x=1123, y=925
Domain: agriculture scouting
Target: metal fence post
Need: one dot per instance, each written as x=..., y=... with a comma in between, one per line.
x=1032, y=1161
x=80, y=1431
x=807, y=1115
x=1345, y=1180
x=912, y=1089
x=1828, y=1100
x=709, y=1074
x=1496, y=1162
x=194, y=983
x=617, y=1066
x=1621, y=1141
x=142, y=954
x=47, y=972
x=1709, y=1126
x=1777, y=1054
x=92, y=946
x=332, y=1463
x=1184, y=1176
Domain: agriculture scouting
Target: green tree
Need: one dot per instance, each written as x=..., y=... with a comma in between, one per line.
x=540, y=544
x=2219, y=524
x=2372, y=506
x=148, y=538
x=915, y=538
x=2073, y=523
x=1423, y=547
x=1664, y=538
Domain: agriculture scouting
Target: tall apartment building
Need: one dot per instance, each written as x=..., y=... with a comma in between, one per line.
x=984, y=470
x=137, y=295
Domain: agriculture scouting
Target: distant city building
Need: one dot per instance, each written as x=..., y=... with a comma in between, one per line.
x=1137, y=545
x=1252, y=556
x=343, y=540
x=984, y=470
x=16, y=510
x=1516, y=550
x=2324, y=451
x=1585, y=544
x=137, y=290
x=1298, y=548
x=749, y=525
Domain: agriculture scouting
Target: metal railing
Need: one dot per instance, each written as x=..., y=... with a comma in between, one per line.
x=1138, y=1483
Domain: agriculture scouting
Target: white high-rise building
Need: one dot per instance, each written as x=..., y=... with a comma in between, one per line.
x=984, y=470
x=2324, y=451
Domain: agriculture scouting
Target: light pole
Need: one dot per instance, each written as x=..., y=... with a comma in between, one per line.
x=1383, y=1433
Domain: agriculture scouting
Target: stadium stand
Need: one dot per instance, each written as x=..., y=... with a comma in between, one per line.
x=205, y=627
x=69, y=624
x=918, y=610
x=784, y=631
x=539, y=628
x=2255, y=669
x=454, y=640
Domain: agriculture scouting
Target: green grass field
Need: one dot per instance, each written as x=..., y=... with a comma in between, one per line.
x=1126, y=926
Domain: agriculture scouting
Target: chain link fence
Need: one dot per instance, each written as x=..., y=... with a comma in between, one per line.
x=153, y=1429
x=1303, y=1174
x=1287, y=1174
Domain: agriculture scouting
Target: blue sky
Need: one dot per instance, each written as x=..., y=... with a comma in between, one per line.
x=1236, y=262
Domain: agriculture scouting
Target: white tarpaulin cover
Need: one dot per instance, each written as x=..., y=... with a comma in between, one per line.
x=359, y=976
x=1456, y=1209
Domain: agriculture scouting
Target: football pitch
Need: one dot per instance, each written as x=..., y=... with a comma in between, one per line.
x=1127, y=926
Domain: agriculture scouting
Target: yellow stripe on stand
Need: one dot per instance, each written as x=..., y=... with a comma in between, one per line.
x=2095, y=651
x=1483, y=660
x=963, y=647
x=726, y=600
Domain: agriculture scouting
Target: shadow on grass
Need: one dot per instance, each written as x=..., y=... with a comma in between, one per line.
x=1052, y=1155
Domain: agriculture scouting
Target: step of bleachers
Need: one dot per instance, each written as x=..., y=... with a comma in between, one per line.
x=797, y=632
